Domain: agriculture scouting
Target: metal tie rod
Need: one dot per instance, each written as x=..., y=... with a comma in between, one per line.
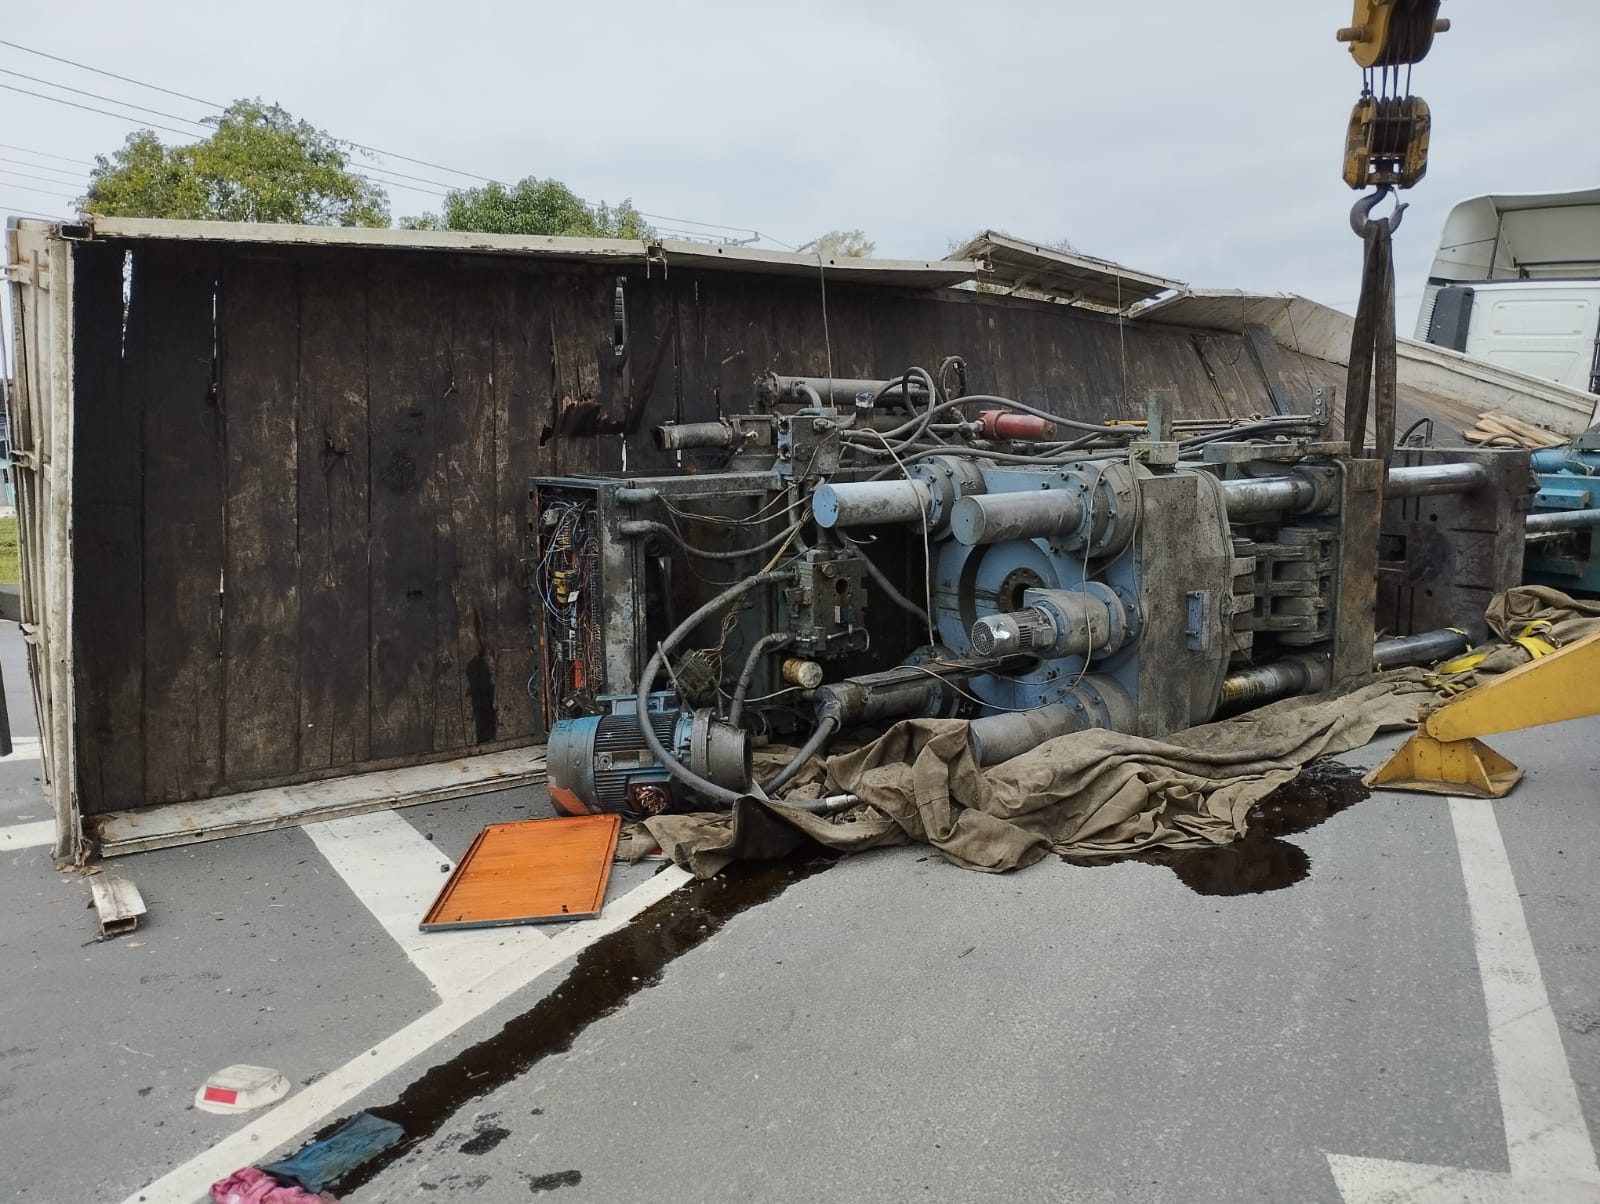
x=1562, y=520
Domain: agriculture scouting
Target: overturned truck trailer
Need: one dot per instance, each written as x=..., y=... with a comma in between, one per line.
x=322, y=520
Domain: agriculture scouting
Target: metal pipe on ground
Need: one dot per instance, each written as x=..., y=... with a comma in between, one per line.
x=1422, y=479
x=1562, y=520
x=1421, y=649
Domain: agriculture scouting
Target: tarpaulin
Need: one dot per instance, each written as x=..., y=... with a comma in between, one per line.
x=1088, y=793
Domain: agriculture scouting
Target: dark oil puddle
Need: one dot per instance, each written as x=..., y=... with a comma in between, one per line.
x=603, y=978
x=1261, y=861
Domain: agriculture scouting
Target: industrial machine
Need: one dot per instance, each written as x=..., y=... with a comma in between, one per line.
x=865, y=550
x=1561, y=530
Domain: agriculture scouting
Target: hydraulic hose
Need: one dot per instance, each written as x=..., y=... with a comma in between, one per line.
x=881, y=580
x=643, y=526
x=826, y=726
x=764, y=645
x=652, y=670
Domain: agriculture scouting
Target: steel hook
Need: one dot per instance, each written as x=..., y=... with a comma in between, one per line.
x=1361, y=212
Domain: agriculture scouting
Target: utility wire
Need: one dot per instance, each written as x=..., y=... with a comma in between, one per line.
x=127, y=104
x=91, y=109
x=28, y=150
x=11, y=171
x=109, y=74
x=72, y=177
x=66, y=196
x=138, y=83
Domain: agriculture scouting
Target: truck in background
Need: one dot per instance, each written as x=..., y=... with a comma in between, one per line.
x=1516, y=281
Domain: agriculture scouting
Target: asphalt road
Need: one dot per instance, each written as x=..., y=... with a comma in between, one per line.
x=887, y=1028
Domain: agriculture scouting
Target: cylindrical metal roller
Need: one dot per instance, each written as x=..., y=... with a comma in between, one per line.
x=798, y=671
x=1246, y=496
x=1056, y=622
x=1280, y=679
x=997, y=517
x=863, y=503
x=680, y=436
x=1421, y=649
x=1562, y=520
x=1095, y=702
x=1421, y=479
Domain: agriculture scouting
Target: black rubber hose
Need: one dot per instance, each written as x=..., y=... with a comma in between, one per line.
x=652, y=669
x=648, y=527
x=764, y=645
x=826, y=726
x=881, y=580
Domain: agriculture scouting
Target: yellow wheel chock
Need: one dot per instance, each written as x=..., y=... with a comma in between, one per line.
x=1445, y=756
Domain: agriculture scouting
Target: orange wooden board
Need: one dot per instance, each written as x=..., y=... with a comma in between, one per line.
x=529, y=872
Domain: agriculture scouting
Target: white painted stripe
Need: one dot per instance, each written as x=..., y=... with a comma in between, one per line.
x=299, y=1113
x=396, y=873
x=1545, y=1130
x=27, y=836
x=23, y=748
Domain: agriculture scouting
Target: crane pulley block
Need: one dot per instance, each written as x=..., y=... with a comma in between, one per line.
x=1387, y=143
x=1392, y=33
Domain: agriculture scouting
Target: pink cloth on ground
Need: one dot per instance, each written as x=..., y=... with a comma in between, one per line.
x=254, y=1186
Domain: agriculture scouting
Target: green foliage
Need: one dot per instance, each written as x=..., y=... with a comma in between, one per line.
x=843, y=244
x=533, y=206
x=261, y=165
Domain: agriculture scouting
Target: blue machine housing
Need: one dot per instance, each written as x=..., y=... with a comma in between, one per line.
x=1569, y=479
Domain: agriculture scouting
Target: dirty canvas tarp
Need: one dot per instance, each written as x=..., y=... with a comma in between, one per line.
x=1510, y=614
x=1087, y=793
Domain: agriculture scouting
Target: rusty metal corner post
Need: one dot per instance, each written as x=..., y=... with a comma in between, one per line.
x=1445, y=756
x=39, y=270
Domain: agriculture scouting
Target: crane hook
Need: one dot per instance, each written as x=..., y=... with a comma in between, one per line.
x=1361, y=212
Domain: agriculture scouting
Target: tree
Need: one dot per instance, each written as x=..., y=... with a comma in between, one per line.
x=261, y=165
x=533, y=206
x=842, y=244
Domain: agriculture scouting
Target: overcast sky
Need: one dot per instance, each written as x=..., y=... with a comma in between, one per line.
x=1197, y=141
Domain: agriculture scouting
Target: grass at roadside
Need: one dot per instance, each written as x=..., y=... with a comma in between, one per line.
x=9, y=572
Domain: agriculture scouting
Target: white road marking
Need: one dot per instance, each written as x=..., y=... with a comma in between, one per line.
x=23, y=748
x=394, y=871
x=27, y=836
x=1548, y=1148
x=299, y=1113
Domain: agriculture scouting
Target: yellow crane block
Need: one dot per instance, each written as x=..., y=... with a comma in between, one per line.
x=1445, y=756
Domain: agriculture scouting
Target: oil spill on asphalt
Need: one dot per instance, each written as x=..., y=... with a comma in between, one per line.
x=603, y=978
x=1261, y=861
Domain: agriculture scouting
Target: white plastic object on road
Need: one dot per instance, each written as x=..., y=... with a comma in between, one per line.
x=240, y=1088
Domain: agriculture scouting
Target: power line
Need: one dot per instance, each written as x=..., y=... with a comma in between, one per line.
x=66, y=196
x=28, y=150
x=49, y=217
x=91, y=109
x=211, y=104
x=127, y=104
x=109, y=74
x=27, y=176
x=41, y=167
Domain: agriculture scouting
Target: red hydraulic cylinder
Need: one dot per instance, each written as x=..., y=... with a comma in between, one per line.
x=1006, y=424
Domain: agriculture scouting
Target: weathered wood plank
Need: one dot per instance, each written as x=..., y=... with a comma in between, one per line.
x=522, y=383
x=259, y=383
x=108, y=628
x=332, y=490
x=183, y=523
x=582, y=416
x=464, y=712
x=408, y=375
x=140, y=829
